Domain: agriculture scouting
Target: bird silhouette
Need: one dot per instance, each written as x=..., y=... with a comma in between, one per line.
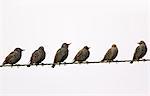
x=13, y=57
x=111, y=54
x=140, y=51
x=61, y=54
x=82, y=55
x=38, y=56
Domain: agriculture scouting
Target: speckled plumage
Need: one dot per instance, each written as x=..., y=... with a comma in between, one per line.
x=38, y=56
x=140, y=51
x=82, y=55
x=13, y=57
x=111, y=54
x=61, y=54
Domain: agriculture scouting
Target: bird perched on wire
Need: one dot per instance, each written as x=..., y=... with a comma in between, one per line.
x=140, y=51
x=38, y=56
x=111, y=54
x=82, y=55
x=13, y=57
x=61, y=54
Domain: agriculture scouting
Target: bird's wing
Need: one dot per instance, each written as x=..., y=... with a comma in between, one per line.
x=108, y=55
x=42, y=55
x=78, y=55
x=9, y=56
x=85, y=55
x=57, y=56
x=137, y=53
x=61, y=55
x=115, y=53
x=35, y=56
x=143, y=51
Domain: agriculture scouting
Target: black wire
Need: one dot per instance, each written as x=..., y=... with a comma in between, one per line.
x=66, y=63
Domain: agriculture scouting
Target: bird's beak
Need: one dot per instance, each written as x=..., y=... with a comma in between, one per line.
x=69, y=44
x=89, y=47
x=139, y=43
x=23, y=49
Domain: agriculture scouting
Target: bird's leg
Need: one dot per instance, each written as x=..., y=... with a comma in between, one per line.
x=3, y=65
x=11, y=65
x=137, y=60
x=64, y=63
x=109, y=61
x=36, y=64
x=59, y=63
x=80, y=62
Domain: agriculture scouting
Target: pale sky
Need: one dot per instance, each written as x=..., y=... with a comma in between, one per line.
x=98, y=24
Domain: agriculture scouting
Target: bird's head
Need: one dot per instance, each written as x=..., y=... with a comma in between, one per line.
x=65, y=45
x=114, y=45
x=141, y=42
x=18, y=49
x=41, y=48
x=86, y=47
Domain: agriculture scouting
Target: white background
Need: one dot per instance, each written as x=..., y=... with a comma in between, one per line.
x=98, y=24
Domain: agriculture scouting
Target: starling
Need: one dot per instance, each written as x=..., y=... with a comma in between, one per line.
x=38, y=56
x=140, y=51
x=111, y=54
x=82, y=55
x=61, y=54
x=13, y=57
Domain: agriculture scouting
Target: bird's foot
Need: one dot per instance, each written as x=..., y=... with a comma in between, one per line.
x=109, y=61
x=80, y=62
x=11, y=65
x=59, y=63
x=36, y=64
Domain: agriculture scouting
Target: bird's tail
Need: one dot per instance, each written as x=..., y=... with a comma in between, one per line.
x=73, y=61
x=30, y=63
x=131, y=61
x=53, y=65
x=102, y=60
x=3, y=63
